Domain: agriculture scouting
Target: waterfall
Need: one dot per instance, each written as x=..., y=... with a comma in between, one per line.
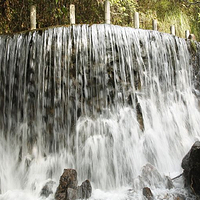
x=102, y=99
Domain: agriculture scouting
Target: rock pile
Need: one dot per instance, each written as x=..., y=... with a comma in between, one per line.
x=68, y=188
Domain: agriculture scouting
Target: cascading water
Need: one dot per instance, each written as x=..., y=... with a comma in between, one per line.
x=102, y=99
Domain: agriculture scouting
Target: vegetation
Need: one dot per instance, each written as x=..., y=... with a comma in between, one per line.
x=184, y=14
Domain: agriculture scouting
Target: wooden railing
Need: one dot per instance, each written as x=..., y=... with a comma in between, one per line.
x=107, y=19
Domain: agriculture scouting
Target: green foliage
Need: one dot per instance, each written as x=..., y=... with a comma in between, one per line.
x=193, y=46
x=15, y=14
x=122, y=11
x=170, y=12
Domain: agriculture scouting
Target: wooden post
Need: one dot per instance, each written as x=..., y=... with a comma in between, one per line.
x=172, y=30
x=107, y=12
x=187, y=33
x=72, y=14
x=154, y=24
x=33, y=17
x=137, y=24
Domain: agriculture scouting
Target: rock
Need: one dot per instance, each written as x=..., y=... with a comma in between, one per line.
x=85, y=190
x=47, y=189
x=71, y=194
x=67, y=180
x=169, y=183
x=192, y=37
x=150, y=177
x=139, y=115
x=147, y=193
x=68, y=189
x=191, y=166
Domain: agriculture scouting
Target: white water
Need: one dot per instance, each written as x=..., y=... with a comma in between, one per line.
x=69, y=99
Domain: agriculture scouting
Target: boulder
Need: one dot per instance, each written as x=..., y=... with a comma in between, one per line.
x=150, y=177
x=68, y=188
x=85, y=190
x=147, y=193
x=67, y=180
x=47, y=189
x=191, y=166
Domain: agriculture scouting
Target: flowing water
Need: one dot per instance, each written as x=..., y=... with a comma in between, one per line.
x=117, y=104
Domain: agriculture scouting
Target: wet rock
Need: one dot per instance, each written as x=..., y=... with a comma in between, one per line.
x=169, y=183
x=47, y=189
x=68, y=188
x=67, y=180
x=28, y=161
x=150, y=177
x=85, y=190
x=191, y=166
x=139, y=115
x=147, y=193
x=71, y=194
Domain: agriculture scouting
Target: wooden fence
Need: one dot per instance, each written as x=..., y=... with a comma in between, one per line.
x=107, y=19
